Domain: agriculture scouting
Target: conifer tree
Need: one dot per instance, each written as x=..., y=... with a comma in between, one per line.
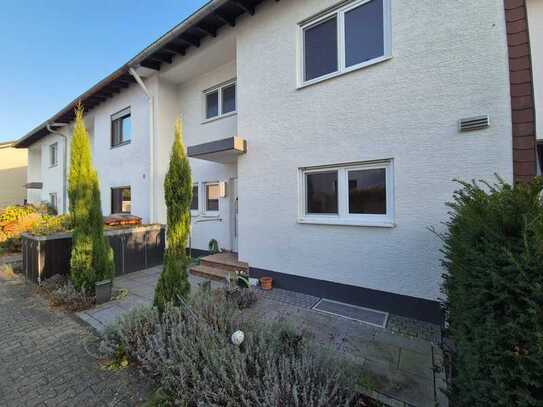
x=92, y=256
x=173, y=283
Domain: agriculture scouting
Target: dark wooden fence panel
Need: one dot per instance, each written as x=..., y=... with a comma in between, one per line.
x=133, y=249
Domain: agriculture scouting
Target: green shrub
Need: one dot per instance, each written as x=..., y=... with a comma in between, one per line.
x=213, y=246
x=173, y=284
x=16, y=212
x=92, y=257
x=494, y=286
x=49, y=224
x=187, y=350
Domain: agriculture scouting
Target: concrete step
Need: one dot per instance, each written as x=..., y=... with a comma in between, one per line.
x=211, y=273
x=224, y=261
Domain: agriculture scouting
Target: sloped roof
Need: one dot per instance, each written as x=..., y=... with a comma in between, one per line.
x=204, y=22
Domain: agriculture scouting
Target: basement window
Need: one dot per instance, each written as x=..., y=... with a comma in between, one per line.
x=220, y=101
x=121, y=200
x=355, y=194
x=53, y=201
x=344, y=39
x=121, y=128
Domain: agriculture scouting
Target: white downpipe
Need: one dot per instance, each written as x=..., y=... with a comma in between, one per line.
x=64, y=161
x=150, y=99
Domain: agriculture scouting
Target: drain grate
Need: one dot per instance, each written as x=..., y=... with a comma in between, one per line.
x=354, y=312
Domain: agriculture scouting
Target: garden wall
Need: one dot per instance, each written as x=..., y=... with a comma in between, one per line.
x=134, y=249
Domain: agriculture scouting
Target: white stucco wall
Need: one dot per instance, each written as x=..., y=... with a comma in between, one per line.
x=535, y=22
x=449, y=62
x=186, y=100
x=52, y=176
x=126, y=165
x=33, y=173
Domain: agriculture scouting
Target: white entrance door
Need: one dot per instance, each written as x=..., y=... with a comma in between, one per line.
x=234, y=213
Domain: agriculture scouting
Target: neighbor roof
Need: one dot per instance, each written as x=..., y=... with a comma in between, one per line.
x=206, y=21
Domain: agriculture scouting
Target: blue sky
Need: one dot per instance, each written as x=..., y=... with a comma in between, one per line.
x=52, y=51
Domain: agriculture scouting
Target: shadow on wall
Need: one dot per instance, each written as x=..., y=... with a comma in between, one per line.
x=12, y=189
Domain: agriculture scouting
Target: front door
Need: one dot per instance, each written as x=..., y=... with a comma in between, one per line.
x=234, y=213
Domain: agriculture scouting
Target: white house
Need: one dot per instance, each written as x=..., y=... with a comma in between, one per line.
x=324, y=135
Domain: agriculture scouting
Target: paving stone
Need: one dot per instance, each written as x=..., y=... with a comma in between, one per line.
x=43, y=361
x=417, y=363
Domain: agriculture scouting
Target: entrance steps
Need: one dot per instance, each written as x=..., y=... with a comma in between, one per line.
x=219, y=266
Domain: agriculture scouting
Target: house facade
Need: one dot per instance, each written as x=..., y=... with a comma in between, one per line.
x=324, y=136
x=13, y=168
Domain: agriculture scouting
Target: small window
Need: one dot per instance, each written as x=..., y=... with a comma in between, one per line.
x=194, y=202
x=53, y=202
x=355, y=194
x=220, y=101
x=53, y=154
x=229, y=99
x=322, y=192
x=121, y=200
x=212, y=197
x=350, y=37
x=212, y=104
x=121, y=128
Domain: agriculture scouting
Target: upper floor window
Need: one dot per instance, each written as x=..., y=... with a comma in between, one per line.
x=220, y=101
x=53, y=154
x=121, y=128
x=121, y=200
x=347, y=38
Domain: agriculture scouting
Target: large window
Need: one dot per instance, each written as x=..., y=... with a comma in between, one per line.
x=354, y=194
x=121, y=128
x=212, y=197
x=53, y=154
x=220, y=101
x=344, y=39
x=121, y=200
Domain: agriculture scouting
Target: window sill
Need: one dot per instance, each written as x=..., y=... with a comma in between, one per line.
x=120, y=144
x=343, y=72
x=347, y=222
x=214, y=119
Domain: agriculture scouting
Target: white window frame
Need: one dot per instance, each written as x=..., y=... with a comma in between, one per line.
x=205, y=211
x=343, y=217
x=219, y=88
x=339, y=13
x=196, y=212
x=54, y=147
x=126, y=112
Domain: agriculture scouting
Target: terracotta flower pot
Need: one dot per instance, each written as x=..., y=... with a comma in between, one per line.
x=266, y=283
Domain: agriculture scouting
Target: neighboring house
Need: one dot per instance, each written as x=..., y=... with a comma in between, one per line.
x=324, y=135
x=13, y=163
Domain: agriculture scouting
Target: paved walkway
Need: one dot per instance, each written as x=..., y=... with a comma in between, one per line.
x=402, y=370
x=44, y=361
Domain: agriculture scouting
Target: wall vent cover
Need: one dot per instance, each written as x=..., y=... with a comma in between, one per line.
x=474, y=123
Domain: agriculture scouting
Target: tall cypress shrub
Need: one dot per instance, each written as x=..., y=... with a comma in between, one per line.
x=494, y=286
x=92, y=257
x=173, y=283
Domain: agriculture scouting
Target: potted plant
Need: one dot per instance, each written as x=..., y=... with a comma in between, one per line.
x=266, y=283
x=103, y=291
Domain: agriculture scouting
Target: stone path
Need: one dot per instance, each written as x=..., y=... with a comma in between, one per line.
x=44, y=361
x=402, y=370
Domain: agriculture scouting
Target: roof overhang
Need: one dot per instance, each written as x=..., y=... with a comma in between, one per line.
x=205, y=22
x=222, y=151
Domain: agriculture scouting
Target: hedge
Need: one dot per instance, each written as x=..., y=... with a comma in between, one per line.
x=493, y=255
